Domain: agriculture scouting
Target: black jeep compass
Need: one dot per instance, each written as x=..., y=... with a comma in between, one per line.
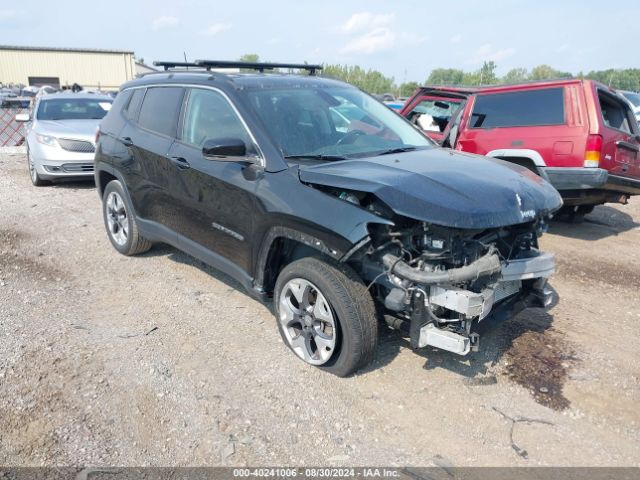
x=316, y=196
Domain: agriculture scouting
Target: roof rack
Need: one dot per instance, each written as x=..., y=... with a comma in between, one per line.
x=168, y=65
x=259, y=66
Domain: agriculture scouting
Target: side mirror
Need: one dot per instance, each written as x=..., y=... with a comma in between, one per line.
x=23, y=117
x=225, y=149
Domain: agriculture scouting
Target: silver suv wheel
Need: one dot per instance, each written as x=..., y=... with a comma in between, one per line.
x=117, y=221
x=308, y=324
x=36, y=180
x=32, y=169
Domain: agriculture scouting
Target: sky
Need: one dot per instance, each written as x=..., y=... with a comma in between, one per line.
x=405, y=39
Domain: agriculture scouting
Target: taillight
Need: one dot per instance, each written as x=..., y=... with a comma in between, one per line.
x=593, y=151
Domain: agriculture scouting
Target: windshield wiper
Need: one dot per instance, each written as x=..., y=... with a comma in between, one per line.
x=396, y=150
x=316, y=157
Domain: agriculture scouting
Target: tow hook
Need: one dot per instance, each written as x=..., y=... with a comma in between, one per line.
x=418, y=316
x=423, y=332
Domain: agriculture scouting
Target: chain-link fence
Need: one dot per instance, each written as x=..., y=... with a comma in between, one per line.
x=11, y=132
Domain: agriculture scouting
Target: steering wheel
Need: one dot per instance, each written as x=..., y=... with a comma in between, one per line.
x=350, y=137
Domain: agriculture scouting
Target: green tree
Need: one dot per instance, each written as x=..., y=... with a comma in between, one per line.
x=471, y=78
x=487, y=73
x=374, y=81
x=250, y=57
x=253, y=58
x=407, y=88
x=545, y=72
x=445, y=76
x=516, y=75
x=626, y=79
x=371, y=81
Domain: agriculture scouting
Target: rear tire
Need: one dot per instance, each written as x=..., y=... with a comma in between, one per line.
x=120, y=222
x=586, y=209
x=340, y=315
x=575, y=213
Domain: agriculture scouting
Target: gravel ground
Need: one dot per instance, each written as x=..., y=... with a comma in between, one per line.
x=160, y=360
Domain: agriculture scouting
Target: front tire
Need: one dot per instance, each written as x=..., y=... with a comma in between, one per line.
x=120, y=222
x=36, y=180
x=326, y=316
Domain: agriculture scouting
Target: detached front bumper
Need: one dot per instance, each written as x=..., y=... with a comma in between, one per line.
x=522, y=284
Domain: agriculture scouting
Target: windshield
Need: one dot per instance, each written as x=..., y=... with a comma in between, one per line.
x=332, y=122
x=73, y=109
x=633, y=98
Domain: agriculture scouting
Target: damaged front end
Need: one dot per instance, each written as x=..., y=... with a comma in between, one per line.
x=456, y=250
x=444, y=286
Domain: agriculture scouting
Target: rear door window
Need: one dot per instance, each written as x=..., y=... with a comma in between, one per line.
x=527, y=108
x=160, y=110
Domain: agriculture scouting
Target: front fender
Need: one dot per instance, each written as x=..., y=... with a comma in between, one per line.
x=340, y=249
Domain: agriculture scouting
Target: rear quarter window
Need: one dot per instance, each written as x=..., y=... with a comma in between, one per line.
x=121, y=100
x=519, y=109
x=111, y=121
x=133, y=106
x=160, y=110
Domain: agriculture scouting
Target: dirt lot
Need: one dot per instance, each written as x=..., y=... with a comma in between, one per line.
x=159, y=360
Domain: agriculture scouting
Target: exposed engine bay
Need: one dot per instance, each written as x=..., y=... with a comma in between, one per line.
x=442, y=285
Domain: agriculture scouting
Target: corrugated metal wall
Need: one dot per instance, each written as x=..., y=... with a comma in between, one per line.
x=89, y=69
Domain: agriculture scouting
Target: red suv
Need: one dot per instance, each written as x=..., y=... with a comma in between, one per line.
x=579, y=135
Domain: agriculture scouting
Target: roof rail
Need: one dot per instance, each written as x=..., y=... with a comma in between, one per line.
x=259, y=66
x=168, y=65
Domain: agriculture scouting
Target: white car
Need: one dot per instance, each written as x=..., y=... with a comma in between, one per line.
x=61, y=133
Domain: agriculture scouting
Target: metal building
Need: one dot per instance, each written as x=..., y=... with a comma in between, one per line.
x=60, y=67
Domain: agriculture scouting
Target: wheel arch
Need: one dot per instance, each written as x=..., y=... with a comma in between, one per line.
x=524, y=157
x=102, y=180
x=105, y=175
x=283, y=245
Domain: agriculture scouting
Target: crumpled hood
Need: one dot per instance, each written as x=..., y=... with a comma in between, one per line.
x=81, y=129
x=444, y=187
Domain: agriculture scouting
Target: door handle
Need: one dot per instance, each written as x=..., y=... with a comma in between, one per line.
x=627, y=145
x=126, y=141
x=180, y=162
